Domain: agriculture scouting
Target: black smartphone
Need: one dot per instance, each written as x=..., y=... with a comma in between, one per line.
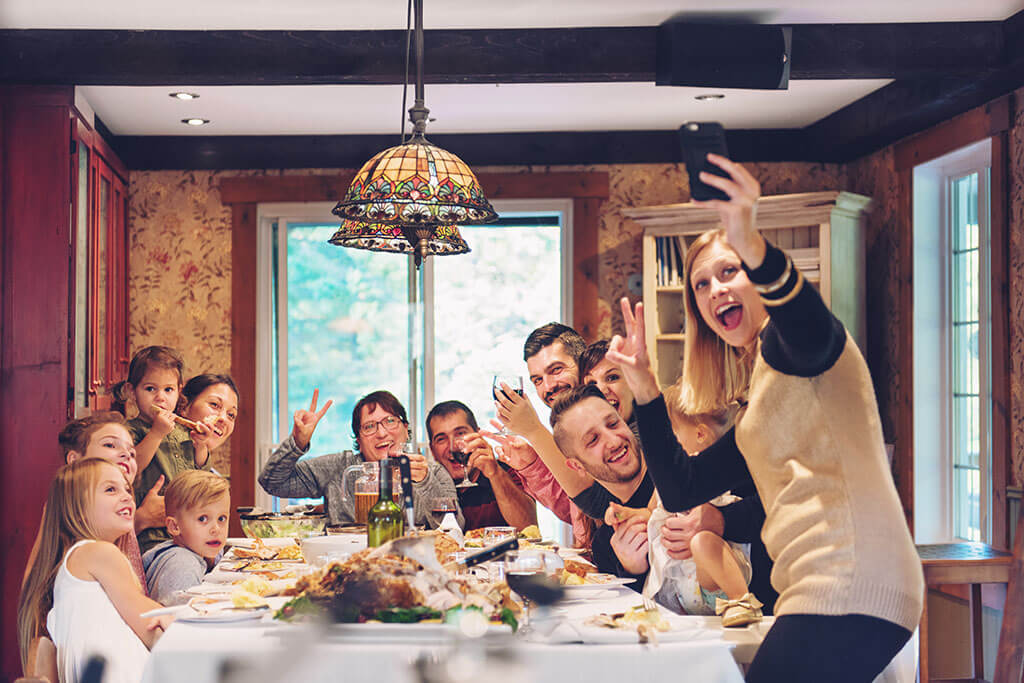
x=697, y=139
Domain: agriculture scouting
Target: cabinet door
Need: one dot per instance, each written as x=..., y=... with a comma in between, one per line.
x=107, y=338
x=79, y=370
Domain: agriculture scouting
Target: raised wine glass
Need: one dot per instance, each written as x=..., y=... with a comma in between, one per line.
x=460, y=454
x=515, y=383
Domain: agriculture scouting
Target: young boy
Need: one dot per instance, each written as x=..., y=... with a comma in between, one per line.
x=197, y=505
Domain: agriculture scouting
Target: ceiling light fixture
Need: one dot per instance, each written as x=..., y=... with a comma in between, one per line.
x=710, y=97
x=184, y=95
x=411, y=198
x=195, y=122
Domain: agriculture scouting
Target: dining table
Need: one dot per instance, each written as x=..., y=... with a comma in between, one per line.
x=558, y=648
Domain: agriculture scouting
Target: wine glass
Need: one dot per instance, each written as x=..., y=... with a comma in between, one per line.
x=460, y=454
x=515, y=383
x=441, y=506
x=520, y=568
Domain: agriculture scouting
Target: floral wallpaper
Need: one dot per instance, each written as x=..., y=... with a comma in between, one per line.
x=180, y=261
x=1016, y=278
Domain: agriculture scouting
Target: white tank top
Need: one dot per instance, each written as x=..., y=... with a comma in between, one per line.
x=84, y=622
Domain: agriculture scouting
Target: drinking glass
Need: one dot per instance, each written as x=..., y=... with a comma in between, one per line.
x=520, y=565
x=441, y=506
x=515, y=383
x=460, y=454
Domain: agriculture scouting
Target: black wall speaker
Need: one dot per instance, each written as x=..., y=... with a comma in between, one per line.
x=751, y=56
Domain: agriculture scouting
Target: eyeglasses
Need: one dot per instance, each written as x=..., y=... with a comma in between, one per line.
x=389, y=423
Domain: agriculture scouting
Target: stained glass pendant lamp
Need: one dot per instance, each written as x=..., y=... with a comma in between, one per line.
x=411, y=198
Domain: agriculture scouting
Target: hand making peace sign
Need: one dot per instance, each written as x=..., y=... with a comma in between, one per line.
x=307, y=420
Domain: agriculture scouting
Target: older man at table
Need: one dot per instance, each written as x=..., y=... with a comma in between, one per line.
x=498, y=498
x=380, y=427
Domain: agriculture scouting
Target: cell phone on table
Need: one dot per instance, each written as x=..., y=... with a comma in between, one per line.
x=697, y=139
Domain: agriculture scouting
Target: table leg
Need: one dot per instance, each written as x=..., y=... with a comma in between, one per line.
x=977, y=646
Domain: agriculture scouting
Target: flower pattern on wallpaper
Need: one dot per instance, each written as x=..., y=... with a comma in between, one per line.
x=1016, y=282
x=180, y=271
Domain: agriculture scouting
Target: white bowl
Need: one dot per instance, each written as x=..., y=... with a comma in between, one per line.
x=317, y=546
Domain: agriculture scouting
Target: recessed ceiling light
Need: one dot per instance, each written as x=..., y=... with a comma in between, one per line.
x=184, y=95
x=195, y=122
x=711, y=97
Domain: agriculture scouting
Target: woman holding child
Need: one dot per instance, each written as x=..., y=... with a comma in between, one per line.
x=850, y=582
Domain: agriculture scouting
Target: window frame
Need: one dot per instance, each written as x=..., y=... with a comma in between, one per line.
x=934, y=515
x=274, y=214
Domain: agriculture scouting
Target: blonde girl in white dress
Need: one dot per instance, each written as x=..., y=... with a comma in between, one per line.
x=81, y=587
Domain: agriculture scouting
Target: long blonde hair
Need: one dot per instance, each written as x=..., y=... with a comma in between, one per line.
x=65, y=522
x=715, y=373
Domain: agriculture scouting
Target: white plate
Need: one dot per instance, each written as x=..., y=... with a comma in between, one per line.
x=678, y=633
x=269, y=542
x=403, y=632
x=588, y=587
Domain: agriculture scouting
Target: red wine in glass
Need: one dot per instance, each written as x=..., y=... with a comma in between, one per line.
x=460, y=455
x=513, y=382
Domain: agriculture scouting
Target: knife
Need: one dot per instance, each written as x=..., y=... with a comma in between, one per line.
x=490, y=553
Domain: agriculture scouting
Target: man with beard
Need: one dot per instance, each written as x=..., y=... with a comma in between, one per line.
x=596, y=440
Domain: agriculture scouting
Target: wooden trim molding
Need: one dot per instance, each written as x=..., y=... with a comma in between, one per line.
x=588, y=190
x=992, y=120
x=243, y=354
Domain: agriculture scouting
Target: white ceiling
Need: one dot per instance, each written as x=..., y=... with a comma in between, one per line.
x=507, y=108
x=356, y=109
x=381, y=14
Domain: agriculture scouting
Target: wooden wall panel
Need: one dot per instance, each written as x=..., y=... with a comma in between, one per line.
x=35, y=220
x=243, y=356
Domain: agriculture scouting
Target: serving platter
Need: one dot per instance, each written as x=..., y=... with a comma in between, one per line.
x=419, y=632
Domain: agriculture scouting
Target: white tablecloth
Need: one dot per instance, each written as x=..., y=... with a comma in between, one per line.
x=204, y=653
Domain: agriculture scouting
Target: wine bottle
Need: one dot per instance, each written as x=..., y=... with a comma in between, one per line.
x=384, y=522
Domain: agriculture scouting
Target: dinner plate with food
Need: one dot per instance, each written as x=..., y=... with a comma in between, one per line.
x=639, y=625
x=260, y=550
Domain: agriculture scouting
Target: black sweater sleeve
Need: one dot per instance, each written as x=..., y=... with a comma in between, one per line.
x=803, y=338
x=743, y=519
x=684, y=481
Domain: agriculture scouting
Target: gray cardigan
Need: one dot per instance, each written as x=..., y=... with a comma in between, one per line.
x=286, y=477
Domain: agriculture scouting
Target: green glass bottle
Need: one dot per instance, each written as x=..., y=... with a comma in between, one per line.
x=384, y=522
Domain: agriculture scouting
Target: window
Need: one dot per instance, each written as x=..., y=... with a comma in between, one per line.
x=952, y=326
x=349, y=321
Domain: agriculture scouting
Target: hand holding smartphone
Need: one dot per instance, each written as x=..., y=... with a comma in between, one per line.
x=697, y=139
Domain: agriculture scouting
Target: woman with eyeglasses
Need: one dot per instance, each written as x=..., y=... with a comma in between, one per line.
x=379, y=427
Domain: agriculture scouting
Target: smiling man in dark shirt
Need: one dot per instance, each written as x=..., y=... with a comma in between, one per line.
x=498, y=498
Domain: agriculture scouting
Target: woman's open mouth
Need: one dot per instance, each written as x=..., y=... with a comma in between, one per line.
x=730, y=315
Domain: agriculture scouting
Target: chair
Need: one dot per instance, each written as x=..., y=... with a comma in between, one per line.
x=1010, y=655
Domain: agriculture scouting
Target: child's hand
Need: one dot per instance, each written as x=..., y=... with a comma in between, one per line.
x=163, y=422
x=151, y=512
x=307, y=420
x=617, y=515
x=159, y=623
x=630, y=545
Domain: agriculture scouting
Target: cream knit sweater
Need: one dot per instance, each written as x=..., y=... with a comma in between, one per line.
x=834, y=525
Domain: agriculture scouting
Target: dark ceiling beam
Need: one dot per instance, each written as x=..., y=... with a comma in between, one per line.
x=120, y=57
x=906, y=107
x=493, y=149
